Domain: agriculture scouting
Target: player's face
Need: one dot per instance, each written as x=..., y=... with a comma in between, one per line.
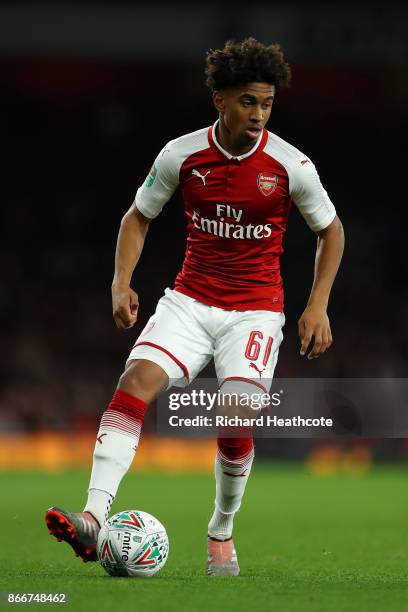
x=244, y=112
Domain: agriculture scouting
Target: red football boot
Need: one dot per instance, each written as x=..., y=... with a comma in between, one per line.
x=79, y=529
x=222, y=558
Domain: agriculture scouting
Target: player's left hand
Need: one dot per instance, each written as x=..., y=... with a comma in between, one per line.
x=314, y=322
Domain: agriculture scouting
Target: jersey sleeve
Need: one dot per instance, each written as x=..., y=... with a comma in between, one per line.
x=160, y=184
x=310, y=197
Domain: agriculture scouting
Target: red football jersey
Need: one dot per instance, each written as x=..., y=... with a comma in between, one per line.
x=237, y=209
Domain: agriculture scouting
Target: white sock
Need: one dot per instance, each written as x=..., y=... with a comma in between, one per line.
x=113, y=455
x=231, y=477
x=115, y=448
x=99, y=504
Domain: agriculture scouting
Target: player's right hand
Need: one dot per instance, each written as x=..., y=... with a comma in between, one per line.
x=125, y=303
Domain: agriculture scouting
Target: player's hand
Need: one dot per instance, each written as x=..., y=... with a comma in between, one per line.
x=125, y=303
x=314, y=322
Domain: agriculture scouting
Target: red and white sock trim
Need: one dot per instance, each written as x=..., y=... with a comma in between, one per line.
x=239, y=464
x=235, y=448
x=125, y=414
x=112, y=421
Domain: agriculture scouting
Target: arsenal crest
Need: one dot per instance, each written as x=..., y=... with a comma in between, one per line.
x=267, y=184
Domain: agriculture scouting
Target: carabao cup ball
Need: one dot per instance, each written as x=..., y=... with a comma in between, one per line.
x=132, y=543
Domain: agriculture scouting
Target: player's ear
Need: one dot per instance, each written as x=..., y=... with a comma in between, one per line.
x=219, y=101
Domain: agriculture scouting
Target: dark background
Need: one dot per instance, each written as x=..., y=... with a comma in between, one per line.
x=90, y=92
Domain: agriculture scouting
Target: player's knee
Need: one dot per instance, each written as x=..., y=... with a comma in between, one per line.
x=143, y=379
x=244, y=401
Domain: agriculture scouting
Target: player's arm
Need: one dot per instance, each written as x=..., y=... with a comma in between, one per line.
x=129, y=246
x=314, y=321
x=150, y=198
x=317, y=209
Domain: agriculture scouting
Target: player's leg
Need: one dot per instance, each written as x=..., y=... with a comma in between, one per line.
x=172, y=347
x=115, y=448
x=236, y=357
x=233, y=464
x=119, y=432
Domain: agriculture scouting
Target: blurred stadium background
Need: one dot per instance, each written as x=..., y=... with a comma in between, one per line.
x=90, y=92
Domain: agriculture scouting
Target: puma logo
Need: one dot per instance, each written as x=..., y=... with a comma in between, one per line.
x=99, y=438
x=255, y=367
x=201, y=176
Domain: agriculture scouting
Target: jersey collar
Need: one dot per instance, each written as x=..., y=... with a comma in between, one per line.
x=213, y=140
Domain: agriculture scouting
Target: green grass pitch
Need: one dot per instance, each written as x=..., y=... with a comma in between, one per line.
x=304, y=542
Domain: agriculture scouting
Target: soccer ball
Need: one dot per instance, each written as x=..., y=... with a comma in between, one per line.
x=132, y=543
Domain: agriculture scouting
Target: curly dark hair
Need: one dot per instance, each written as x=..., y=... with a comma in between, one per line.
x=248, y=61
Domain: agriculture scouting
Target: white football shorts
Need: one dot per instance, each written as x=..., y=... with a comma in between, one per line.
x=184, y=334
